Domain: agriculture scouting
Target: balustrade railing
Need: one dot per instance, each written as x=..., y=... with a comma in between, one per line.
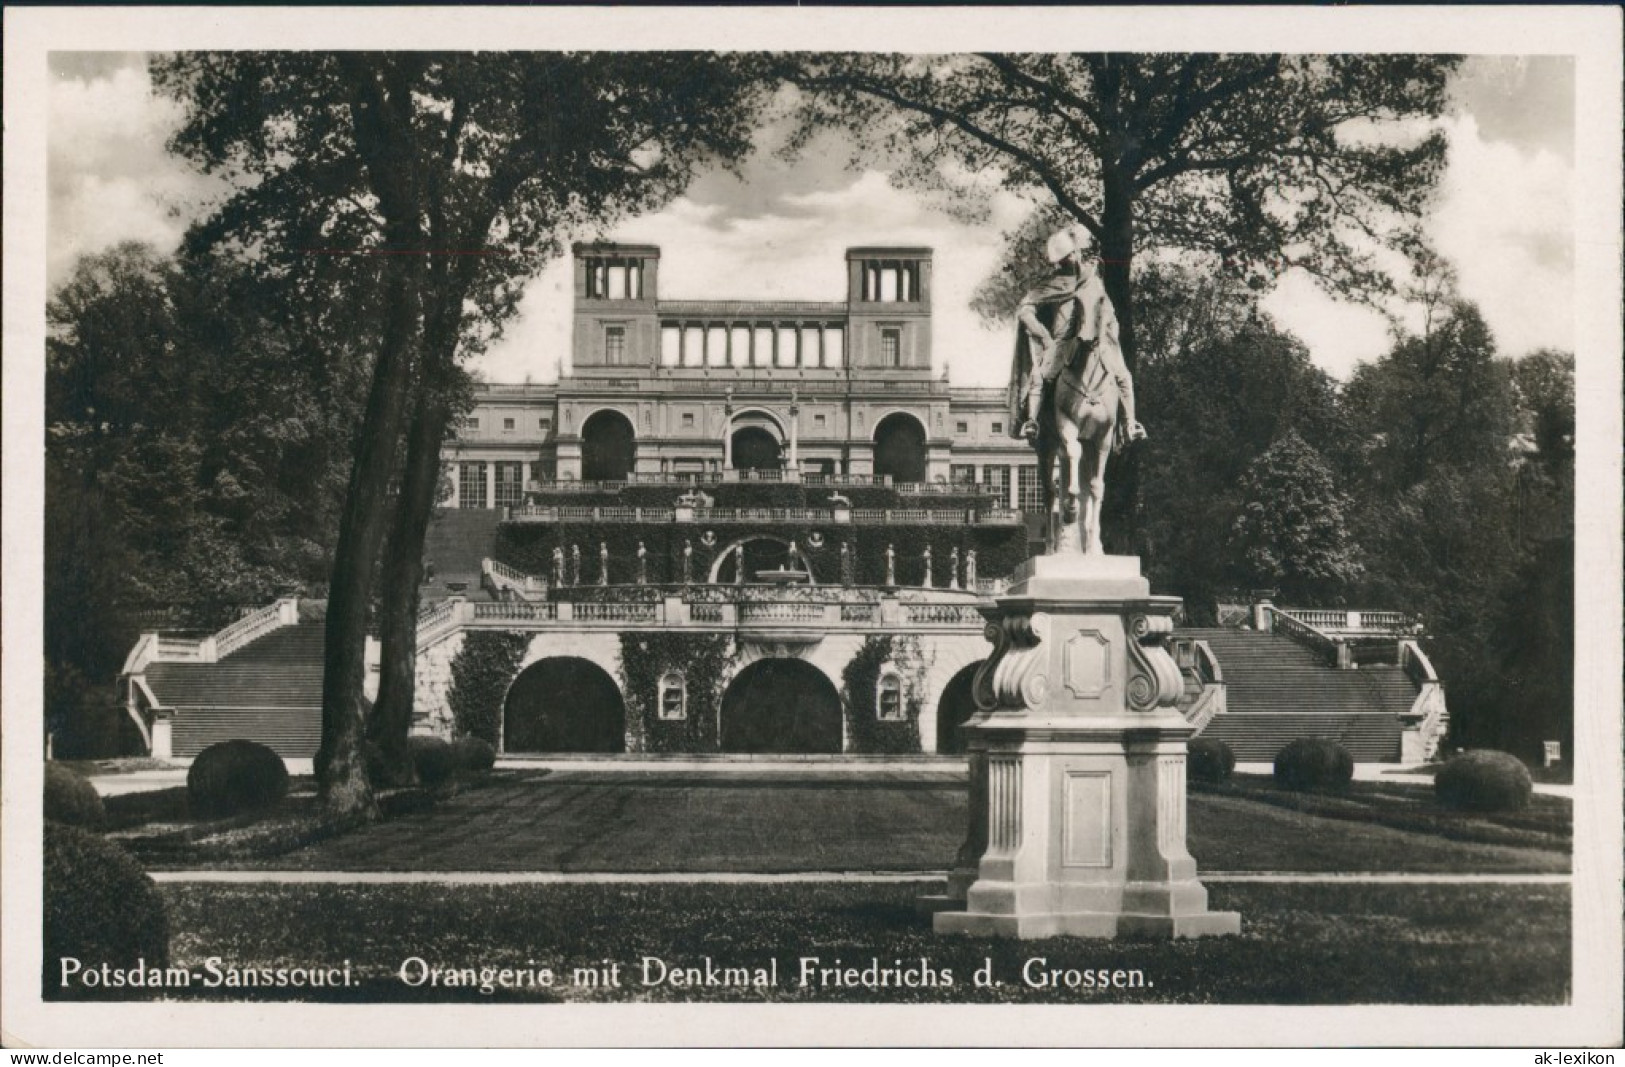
x=705, y=612
x=617, y=612
x=284, y=612
x=941, y=614
x=780, y=611
x=516, y=610
x=860, y=612
x=1353, y=622
x=1304, y=633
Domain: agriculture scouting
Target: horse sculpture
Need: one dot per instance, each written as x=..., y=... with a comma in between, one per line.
x=1079, y=425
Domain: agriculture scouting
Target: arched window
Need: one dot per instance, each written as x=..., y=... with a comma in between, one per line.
x=673, y=696
x=889, y=695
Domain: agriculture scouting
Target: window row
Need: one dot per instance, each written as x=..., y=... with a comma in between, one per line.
x=477, y=482
x=891, y=281
x=615, y=279
x=696, y=345
x=544, y=424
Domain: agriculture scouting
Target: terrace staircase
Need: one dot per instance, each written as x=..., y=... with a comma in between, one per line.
x=457, y=541
x=269, y=689
x=1279, y=690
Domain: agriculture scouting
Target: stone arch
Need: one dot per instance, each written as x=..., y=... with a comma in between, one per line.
x=723, y=566
x=755, y=449
x=900, y=447
x=608, y=446
x=781, y=705
x=955, y=706
x=563, y=704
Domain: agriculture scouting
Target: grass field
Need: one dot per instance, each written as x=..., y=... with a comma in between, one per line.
x=1300, y=944
x=587, y=820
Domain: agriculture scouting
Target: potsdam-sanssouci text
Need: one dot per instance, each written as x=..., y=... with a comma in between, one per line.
x=214, y=973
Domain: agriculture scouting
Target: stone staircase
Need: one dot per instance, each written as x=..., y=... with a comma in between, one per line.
x=456, y=543
x=269, y=690
x=1279, y=690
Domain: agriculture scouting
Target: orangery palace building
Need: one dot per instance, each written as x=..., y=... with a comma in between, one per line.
x=752, y=527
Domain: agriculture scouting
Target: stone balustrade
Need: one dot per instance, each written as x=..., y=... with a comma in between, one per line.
x=751, y=607
x=839, y=516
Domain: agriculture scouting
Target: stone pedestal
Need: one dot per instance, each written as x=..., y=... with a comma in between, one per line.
x=1077, y=766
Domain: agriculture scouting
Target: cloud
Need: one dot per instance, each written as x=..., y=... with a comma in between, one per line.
x=790, y=247
x=109, y=177
x=1505, y=219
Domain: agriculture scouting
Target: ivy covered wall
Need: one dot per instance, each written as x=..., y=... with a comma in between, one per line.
x=866, y=732
x=480, y=675
x=703, y=660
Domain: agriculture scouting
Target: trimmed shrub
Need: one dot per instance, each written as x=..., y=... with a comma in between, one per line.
x=1485, y=780
x=100, y=907
x=1210, y=760
x=434, y=760
x=473, y=755
x=71, y=799
x=1313, y=764
x=235, y=776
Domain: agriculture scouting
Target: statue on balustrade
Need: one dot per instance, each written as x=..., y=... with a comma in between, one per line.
x=688, y=562
x=643, y=565
x=1070, y=393
x=575, y=564
x=603, y=563
x=970, y=570
x=846, y=563
x=926, y=555
x=891, y=566
x=953, y=568
x=558, y=566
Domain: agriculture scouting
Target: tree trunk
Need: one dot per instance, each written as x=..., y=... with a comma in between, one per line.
x=1122, y=505
x=381, y=110
x=340, y=761
x=391, y=721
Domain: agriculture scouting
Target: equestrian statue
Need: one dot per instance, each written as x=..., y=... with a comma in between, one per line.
x=1071, y=395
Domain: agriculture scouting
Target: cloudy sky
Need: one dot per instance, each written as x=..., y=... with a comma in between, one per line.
x=1504, y=218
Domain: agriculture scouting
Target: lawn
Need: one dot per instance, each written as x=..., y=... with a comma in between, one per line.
x=833, y=820
x=1300, y=944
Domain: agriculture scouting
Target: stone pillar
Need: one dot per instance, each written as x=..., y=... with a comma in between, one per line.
x=163, y=733
x=490, y=484
x=1077, y=766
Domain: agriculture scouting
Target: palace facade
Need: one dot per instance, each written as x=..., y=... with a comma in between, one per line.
x=720, y=390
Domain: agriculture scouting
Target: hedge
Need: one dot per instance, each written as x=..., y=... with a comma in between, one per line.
x=1210, y=760
x=71, y=799
x=235, y=776
x=432, y=758
x=1484, y=780
x=1313, y=764
x=100, y=908
x=473, y=755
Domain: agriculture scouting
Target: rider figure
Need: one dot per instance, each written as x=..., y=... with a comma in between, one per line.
x=1071, y=305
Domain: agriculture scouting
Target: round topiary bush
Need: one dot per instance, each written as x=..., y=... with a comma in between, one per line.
x=474, y=755
x=1313, y=764
x=434, y=760
x=100, y=907
x=1210, y=760
x=1483, y=781
x=71, y=799
x=235, y=776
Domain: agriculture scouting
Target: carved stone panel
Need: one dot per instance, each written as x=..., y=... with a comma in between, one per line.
x=1087, y=664
x=1087, y=819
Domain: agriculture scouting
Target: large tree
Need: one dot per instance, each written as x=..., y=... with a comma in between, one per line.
x=193, y=428
x=1257, y=163
x=467, y=172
